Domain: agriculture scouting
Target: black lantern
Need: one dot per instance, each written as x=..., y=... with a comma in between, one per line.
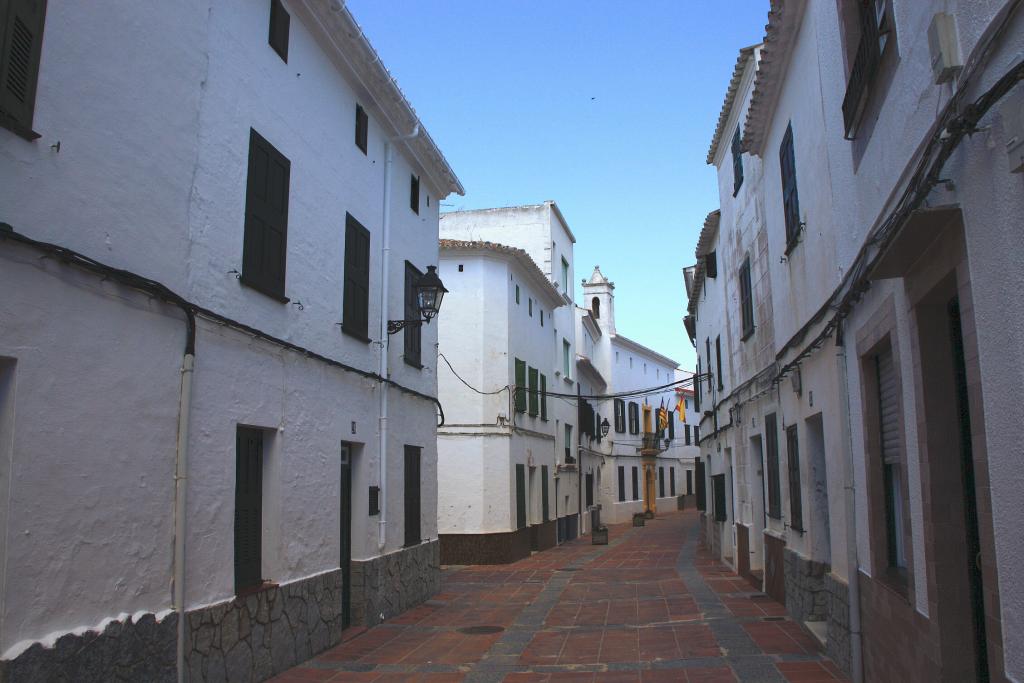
x=429, y=292
x=604, y=427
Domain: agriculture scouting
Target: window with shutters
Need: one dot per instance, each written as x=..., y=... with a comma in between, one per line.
x=711, y=264
x=671, y=424
x=622, y=483
x=746, y=301
x=790, y=198
x=696, y=393
x=686, y=434
x=542, y=317
x=248, y=508
x=619, y=407
x=887, y=447
x=356, y=314
x=569, y=458
x=589, y=489
x=279, y=24
x=414, y=194
x=517, y=294
x=661, y=482
x=534, y=398
x=565, y=277
x=21, y=46
x=696, y=435
x=718, y=363
x=413, y=333
x=529, y=306
x=520, y=397
x=413, y=533
x=634, y=417
x=266, y=218
x=543, y=397
x=707, y=356
x=544, y=504
x=566, y=359
x=718, y=495
x=737, y=161
x=636, y=485
x=702, y=494
x=672, y=480
x=689, y=482
x=520, y=496
x=796, y=507
x=771, y=441
x=362, y=128
x=867, y=28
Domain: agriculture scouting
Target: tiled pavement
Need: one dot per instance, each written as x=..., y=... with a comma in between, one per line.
x=650, y=606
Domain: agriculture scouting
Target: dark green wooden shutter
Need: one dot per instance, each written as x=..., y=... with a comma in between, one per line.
x=543, y=397
x=737, y=162
x=544, y=505
x=622, y=483
x=248, y=507
x=702, y=491
x=689, y=482
x=590, y=490
x=718, y=363
x=520, y=397
x=356, y=313
x=796, y=515
x=771, y=448
x=790, y=198
x=362, y=128
x=534, y=403
x=266, y=218
x=661, y=482
x=412, y=333
x=21, y=46
x=718, y=486
x=414, y=194
x=746, y=300
x=279, y=24
x=620, y=416
x=672, y=480
x=671, y=423
x=413, y=534
x=520, y=496
x=636, y=485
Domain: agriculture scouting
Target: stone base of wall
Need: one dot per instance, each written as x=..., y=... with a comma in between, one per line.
x=806, y=597
x=543, y=535
x=262, y=634
x=130, y=650
x=838, y=644
x=386, y=586
x=498, y=548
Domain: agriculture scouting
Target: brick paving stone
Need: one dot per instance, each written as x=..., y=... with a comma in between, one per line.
x=649, y=607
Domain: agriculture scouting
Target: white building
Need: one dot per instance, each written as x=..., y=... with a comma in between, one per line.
x=501, y=461
x=883, y=139
x=207, y=232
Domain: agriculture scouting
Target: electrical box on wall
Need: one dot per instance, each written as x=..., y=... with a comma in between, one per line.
x=1012, y=112
x=944, y=47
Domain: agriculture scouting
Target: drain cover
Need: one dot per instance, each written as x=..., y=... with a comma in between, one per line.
x=480, y=630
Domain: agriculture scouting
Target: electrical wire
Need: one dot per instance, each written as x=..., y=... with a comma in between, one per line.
x=507, y=387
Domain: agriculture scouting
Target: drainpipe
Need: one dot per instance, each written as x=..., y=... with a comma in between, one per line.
x=180, y=485
x=853, y=578
x=389, y=159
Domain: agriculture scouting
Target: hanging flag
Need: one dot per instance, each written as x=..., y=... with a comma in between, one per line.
x=681, y=405
x=662, y=417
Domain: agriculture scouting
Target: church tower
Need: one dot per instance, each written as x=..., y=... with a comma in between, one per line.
x=599, y=298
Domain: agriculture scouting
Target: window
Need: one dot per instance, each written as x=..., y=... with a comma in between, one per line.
x=544, y=505
x=520, y=496
x=412, y=333
x=568, y=445
x=248, y=508
x=711, y=372
x=636, y=485
x=711, y=264
x=890, y=449
x=746, y=300
x=696, y=434
x=790, y=199
x=565, y=277
x=566, y=359
x=702, y=491
x=413, y=533
x=279, y=21
x=686, y=433
x=671, y=423
x=689, y=482
x=414, y=194
x=529, y=304
x=672, y=480
x=737, y=162
x=634, y=418
x=534, y=402
x=356, y=314
x=595, y=308
x=700, y=382
x=620, y=416
x=517, y=294
x=542, y=317
x=771, y=440
x=869, y=31
x=661, y=482
x=520, y=397
x=796, y=516
x=589, y=489
x=718, y=492
x=543, y=397
x=622, y=483
x=362, y=132
x=718, y=362
x=266, y=218
x=21, y=45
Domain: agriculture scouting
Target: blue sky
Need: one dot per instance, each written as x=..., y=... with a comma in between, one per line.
x=607, y=108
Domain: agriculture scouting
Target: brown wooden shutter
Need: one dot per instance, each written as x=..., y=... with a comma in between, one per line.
x=413, y=534
x=790, y=198
x=21, y=47
x=796, y=516
x=362, y=128
x=266, y=218
x=248, y=507
x=413, y=333
x=279, y=24
x=356, y=313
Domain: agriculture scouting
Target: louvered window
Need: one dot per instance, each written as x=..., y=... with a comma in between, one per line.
x=737, y=162
x=892, y=456
x=634, y=418
x=544, y=504
x=266, y=218
x=413, y=533
x=248, y=507
x=622, y=483
x=711, y=264
x=636, y=485
x=718, y=492
x=543, y=397
x=414, y=194
x=796, y=506
x=279, y=24
x=671, y=424
x=661, y=482
x=21, y=44
x=790, y=198
x=686, y=434
x=672, y=480
x=362, y=128
x=534, y=399
x=746, y=300
x=520, y=397
x=696, y=435
x=620, y=416
x=356, y=314
x=520, y=496
x=771, y=440
x=413, y=333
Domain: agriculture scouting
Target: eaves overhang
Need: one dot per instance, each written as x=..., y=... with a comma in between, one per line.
x=547, y=293
x=747, y=56
x=708, y=233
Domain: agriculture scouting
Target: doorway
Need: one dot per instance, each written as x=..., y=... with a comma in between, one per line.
x=345, y=535
x=757, y=514
x=821, y=542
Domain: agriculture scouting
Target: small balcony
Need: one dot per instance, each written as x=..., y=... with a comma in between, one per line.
x=652, y=443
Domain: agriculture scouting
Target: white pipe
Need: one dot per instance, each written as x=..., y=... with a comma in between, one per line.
x=389, y=159
x=852, y=570
x=180, y=482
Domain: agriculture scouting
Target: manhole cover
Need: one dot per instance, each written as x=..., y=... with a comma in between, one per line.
x=480, y=630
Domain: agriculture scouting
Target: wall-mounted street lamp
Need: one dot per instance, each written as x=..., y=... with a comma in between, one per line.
x=429, y=292
x=604, y=427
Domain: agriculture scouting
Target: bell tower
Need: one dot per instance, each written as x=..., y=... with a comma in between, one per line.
x=599, y=299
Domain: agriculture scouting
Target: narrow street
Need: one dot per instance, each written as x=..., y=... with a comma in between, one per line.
x=650, y=606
